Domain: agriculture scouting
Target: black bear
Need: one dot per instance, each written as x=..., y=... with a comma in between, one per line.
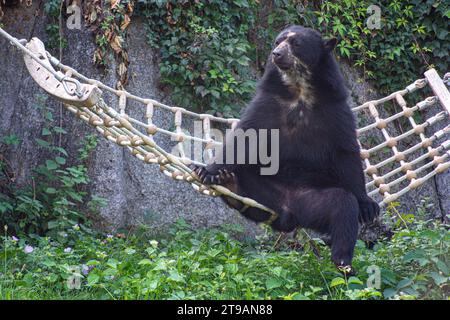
x=320, y=181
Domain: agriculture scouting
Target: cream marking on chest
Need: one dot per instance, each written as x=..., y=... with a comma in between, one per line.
x=300, y=83
x=296, y=79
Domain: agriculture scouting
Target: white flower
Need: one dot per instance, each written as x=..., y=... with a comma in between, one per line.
x=154, y=243
x=68, y=249
x=28, y=249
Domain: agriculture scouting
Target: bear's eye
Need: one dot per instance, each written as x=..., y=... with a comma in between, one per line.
x=280, y=40
x=296, y=43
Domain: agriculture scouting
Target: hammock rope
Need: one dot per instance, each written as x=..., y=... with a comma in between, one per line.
x=389, y=178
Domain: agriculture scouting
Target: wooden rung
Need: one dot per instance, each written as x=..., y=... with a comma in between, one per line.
x=439, y=89
x=48, y=82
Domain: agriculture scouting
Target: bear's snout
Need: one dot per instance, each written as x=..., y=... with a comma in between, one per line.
x=281, y=56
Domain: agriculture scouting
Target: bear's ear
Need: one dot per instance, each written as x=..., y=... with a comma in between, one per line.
x=330, y=44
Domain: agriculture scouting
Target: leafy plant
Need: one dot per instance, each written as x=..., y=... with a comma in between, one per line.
x=55, y=198
x=204, y=51
x=189, y=263
x=413, y=36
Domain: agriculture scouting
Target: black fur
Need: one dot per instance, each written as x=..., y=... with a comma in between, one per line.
x=9, y=3
x=320, y=184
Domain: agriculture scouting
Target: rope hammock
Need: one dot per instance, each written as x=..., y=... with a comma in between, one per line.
x=391, y=170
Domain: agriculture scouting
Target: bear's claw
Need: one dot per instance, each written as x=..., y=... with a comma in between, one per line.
x=206, y=177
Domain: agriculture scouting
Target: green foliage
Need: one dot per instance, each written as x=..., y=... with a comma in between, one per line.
x=212, y=264
x=53, y=200
x=413, y=37
x=209, y=49
x=204, y=51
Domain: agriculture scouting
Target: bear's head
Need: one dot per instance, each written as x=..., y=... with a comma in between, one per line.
x=298, y=50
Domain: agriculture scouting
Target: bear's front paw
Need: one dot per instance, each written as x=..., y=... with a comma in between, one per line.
x=368, y=210
x=205, y=176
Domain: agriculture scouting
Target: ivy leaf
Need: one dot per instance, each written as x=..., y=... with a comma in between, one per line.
x=50, y=190
x=61, y=150
x=389, y=293
x=404, y=283
x=46, y=132
x=243, y=61
x=51, y=165
x=442, y=34
x=442, y=266
x=175, y=276
x=355, y=280
x=145, y=262
x=59, y=130
x=215, y=93
x=43, y=143
x=60, y=160
x=92, y=263
x=438, y=278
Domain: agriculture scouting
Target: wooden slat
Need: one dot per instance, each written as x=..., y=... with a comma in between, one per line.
x=47, y=81
x=439, y=89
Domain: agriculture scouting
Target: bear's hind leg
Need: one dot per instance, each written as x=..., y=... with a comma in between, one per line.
x=344, y=230
x=334, y=211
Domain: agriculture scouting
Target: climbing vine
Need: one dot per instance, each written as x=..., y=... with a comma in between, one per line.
x=201, y=46
x=413, y=36
x=56, y=39
x=204, y=51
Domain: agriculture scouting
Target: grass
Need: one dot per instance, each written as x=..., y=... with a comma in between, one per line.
x=213, y=264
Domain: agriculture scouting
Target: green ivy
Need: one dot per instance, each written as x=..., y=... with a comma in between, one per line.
x=204, y=51
x=208, y=49
x=413, y=37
